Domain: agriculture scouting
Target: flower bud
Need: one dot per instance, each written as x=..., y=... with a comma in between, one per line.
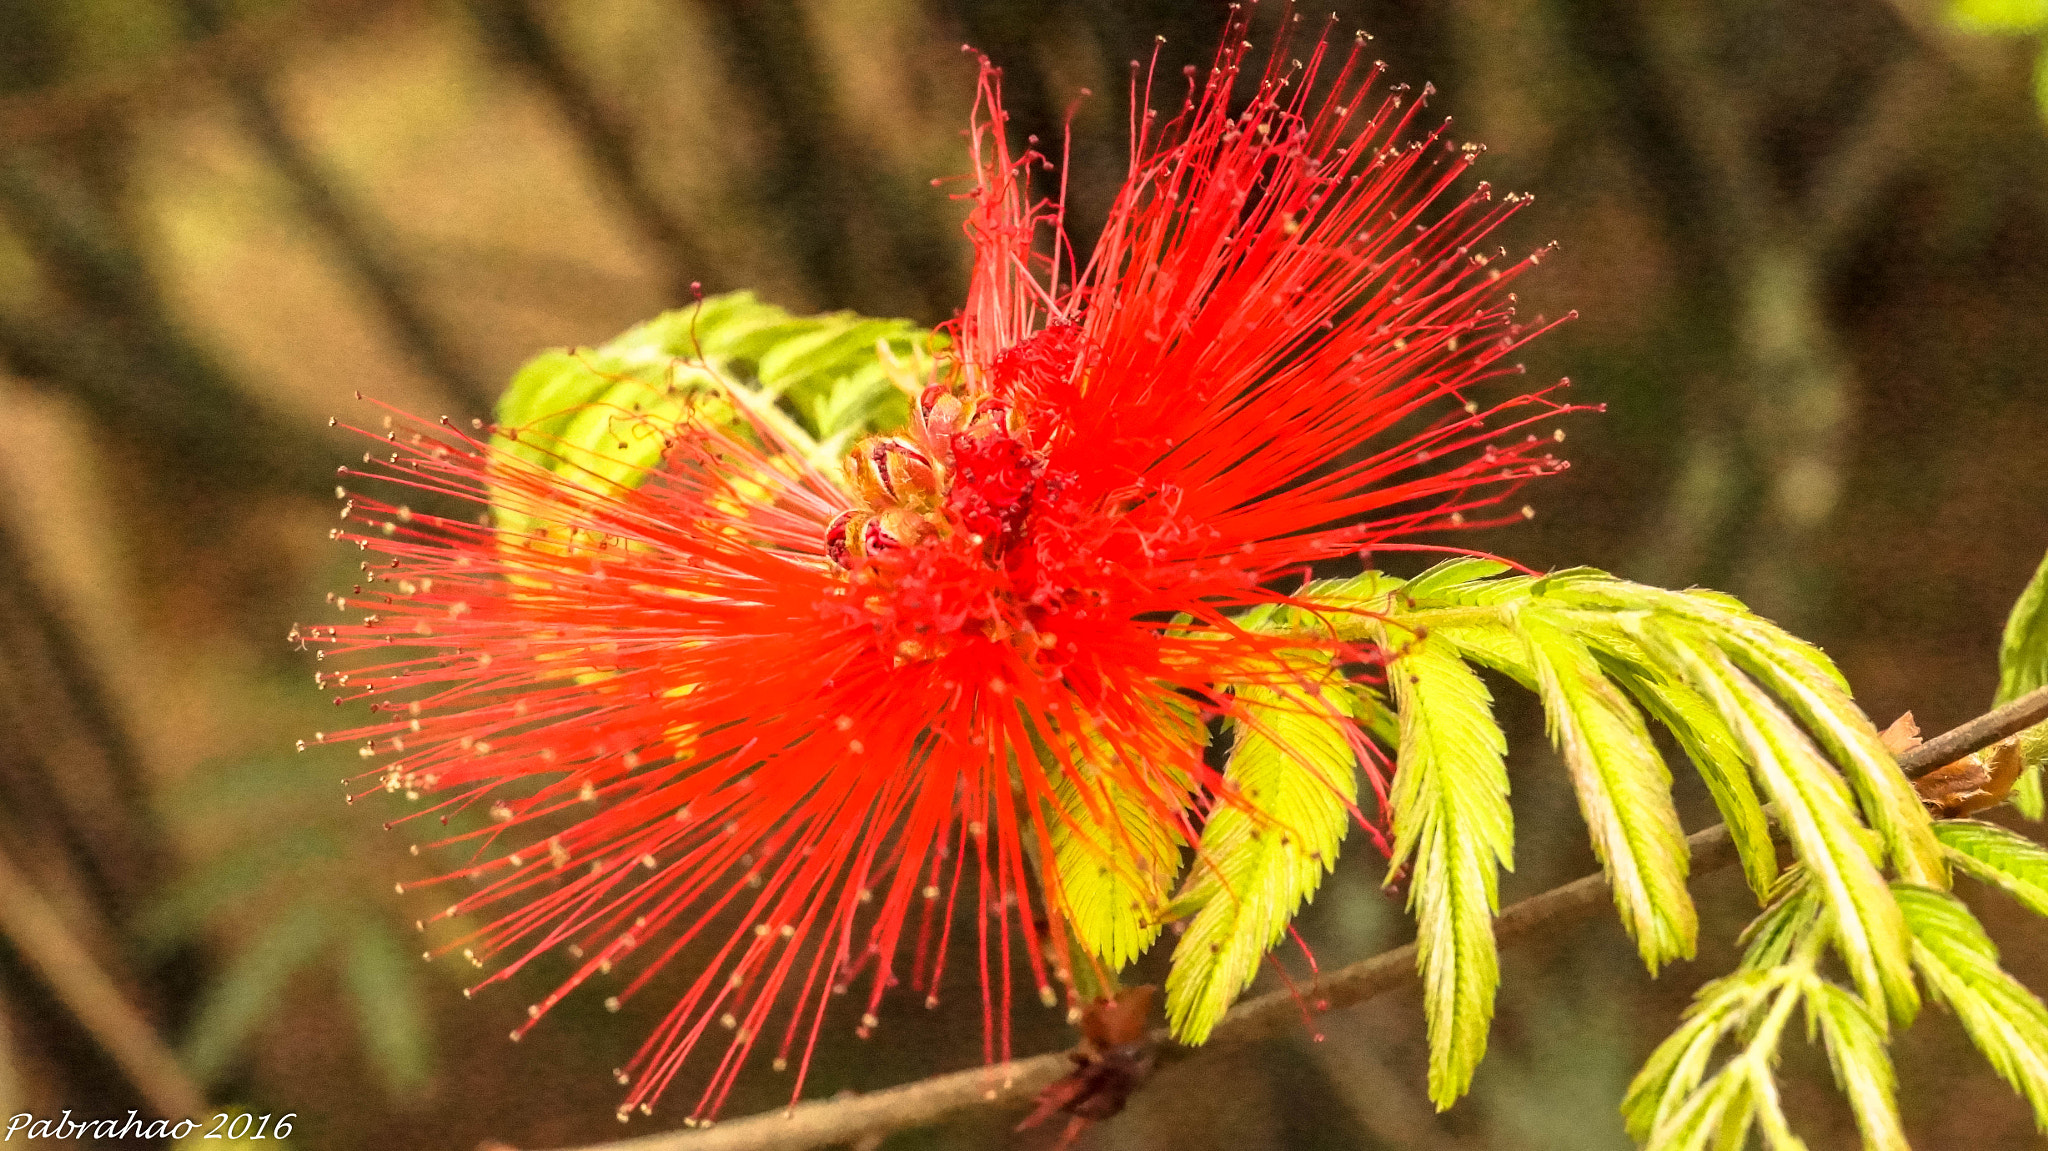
x=902, y=470
x=941, y=411
x=840, y=537
x=893, y=529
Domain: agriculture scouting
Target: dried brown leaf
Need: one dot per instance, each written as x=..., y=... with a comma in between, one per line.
x=1973, y=783
x=1902, y=736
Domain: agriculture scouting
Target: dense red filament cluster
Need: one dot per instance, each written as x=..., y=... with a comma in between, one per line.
x=769, y=729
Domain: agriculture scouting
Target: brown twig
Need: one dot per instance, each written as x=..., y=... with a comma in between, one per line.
x=2011, y=719
x=850, y=1119
x=35, y=930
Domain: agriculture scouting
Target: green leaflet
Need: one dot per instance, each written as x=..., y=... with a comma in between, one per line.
x=2023, y=652
x=1452, y=823
x=600, y=416
x=1863, y=1068
x=2023, y=661
x=2005, y=1021
x=1624, y=791
x=1998, y=15
x=1116, y=854
x=191, y=902
x=1802, y=676
x=307, y=922
x=1999, y=857
x=1887, y=796
x=1814, y=807
x=1719, y=614
x=1674, y=1104
x=1294, y=765
x=1789, y=917
x=1496, y=648
x=1713, y=752
x=2027, y=796
x=1453, y=579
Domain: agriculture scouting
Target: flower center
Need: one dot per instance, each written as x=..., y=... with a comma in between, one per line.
x=965, y=476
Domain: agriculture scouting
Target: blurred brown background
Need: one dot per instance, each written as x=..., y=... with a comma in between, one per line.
x=1808, y=240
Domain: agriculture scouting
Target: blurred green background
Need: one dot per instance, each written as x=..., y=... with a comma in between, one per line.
x=1808, y=244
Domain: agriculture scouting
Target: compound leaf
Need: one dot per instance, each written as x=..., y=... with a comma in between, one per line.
x=2005, y=1021
x=1999, y=857
x=1293, y=764
x=1453, y=824
x=1624, y=791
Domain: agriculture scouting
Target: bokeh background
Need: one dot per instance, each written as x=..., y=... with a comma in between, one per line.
x=1807, y=241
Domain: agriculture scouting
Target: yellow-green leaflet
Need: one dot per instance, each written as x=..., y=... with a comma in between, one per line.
x=1115, y=852
x=1295, y=767
x=1453, y=827
x=600, y=416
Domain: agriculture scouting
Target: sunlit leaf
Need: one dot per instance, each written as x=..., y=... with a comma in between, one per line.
x=1999, y=15
x=1802, y=676
x=600, y=417
x=2007, y=1022
x=1116, y=851
x=1863, y=1069
x=2023, y=652
x=1294, y=763
x=1714, y=754
x=1624, y=791
x=1673, y=1103
x=1453, y=826
x=1999, y=857
x=1790, y=916
x=1445, y=582
x=1814, y=806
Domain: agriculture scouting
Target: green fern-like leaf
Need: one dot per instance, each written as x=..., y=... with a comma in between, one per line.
x=1887, y=797
x=1815, y=808
x=1744, y=699
x=1802, y=676
x=2023, y=651
x=599, y=417
x=1999, y=857
x=1790, y=917
x=1714, y=754
x=2022, y=667
x=383, y=988
x=249, y=991
x=1675, y=1105
x=1294, y=765
x=1453, y=825
x=1116, y=853
x=1999, y=15
x=1855, y=1045
x=2007, y=1022
x=1624, y=791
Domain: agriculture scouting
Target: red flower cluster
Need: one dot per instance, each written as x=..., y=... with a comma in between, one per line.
x=783, y=724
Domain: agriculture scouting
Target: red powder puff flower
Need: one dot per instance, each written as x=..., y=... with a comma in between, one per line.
x=783, y=723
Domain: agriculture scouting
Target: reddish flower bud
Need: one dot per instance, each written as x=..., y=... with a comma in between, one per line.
x=838, y=536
